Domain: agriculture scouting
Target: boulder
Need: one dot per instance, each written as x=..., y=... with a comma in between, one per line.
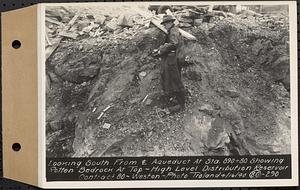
x=106, y=126
x=280, y=67
x=123, y=21
x=193, y=73
x=148, y=102
x=112, y=25
x=54, y=125
x=248, y=13
x=185, y=20
x=217, y=135
x=232, y=93
x=100, y=19
x=198, y=22
x=78, y=69
x=185, y=25
x=206, y=108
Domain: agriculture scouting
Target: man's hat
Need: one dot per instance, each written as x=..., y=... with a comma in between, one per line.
x=167, y=18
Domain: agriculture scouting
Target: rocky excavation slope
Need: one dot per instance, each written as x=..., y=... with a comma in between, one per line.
x=103, y=95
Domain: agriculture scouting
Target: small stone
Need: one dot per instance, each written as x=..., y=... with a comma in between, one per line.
x=91, y=17
x=230, y=14
x=143, y=74
x=106, y=126
x=55, y=125
x=135, y=100
x=148, y=101
x=184, y=25
x=112, y=24
x=237, y=131
x=123, y=21
x=118, y=31
x=91, y=34
x=100, y=19
x=193, y=73
x=198, y=22
x=231, y=93
x=206, y=107
x=86, y=29
x=275, y=149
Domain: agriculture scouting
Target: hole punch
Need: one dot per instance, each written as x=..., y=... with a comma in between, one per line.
x=16, y=147
x=16, y=44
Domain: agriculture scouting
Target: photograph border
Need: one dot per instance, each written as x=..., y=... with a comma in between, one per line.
x=169, y=183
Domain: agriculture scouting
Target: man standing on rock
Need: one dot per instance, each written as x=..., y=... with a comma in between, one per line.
x=170, y=69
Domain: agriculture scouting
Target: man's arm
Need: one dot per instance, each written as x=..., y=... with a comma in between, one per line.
x=172, y=45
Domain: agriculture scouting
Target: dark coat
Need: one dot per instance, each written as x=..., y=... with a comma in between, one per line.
x=170, y=69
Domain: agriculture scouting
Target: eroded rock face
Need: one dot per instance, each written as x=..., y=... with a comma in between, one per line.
x=248, y=43
x=118, y=86
x=235, y=104
x=244, y=86
x=197, y=127
x=78, y=67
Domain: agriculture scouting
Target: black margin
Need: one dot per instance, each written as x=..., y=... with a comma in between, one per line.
x=7, y=5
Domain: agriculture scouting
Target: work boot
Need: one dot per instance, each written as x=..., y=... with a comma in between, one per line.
x=164, y=100
x=180, y=97
x=175, y=109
